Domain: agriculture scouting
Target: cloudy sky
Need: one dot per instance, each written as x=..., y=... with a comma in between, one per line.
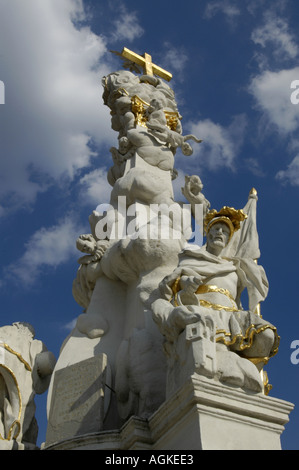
x=235, y=66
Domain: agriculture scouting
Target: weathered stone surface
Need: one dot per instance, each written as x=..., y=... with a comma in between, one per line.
x=78, y=399
x=201, y=415
x=25, y=370
x=186, y=359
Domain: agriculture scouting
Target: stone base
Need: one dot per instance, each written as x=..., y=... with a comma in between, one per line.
x=202, y=415
x=15, y=445
x=78, y=400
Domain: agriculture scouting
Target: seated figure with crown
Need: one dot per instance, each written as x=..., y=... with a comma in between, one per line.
x=200, y=304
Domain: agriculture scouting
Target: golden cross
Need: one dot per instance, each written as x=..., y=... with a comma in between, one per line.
x=146, y=63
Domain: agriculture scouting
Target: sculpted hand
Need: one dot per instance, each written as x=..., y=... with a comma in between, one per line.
x=190, y=283
x=180, y=317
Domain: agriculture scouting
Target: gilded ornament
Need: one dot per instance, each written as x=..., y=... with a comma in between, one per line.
x=232, y=217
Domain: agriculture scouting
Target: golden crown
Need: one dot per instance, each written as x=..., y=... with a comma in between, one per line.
x=232, y=217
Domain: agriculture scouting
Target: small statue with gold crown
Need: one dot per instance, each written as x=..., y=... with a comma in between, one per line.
x=204, y=294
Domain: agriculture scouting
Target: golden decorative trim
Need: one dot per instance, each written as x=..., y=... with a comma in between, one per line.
x=139, y=108
x=206, y=288
x=223, y=332
x=207, y=304
x=231, y=216
x=248, y=337
x=267, y=386
x=257, y=360
x=176, y=286
x=172, y=118
x=251, y=330
x=19, y=356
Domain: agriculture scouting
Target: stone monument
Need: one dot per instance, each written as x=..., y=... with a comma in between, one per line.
x=163, y=349
x=25, y=369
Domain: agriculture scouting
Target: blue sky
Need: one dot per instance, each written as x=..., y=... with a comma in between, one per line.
x=232, y=62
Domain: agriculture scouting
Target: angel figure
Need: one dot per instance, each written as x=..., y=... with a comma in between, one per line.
x=173, y=138
x=193, y=193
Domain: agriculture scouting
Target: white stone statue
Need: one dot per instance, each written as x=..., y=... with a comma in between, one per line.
x=120, y=155
x=144, y=294
x=150, y=103
x=25, y=369
x=90, y=268
x=161, y=131
x=118, y=277
x=125, y=83
x=204, y=293
x=193, y=193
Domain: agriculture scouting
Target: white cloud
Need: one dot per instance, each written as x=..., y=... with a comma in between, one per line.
x=127, y=26
x=52, y=72
x=220, y=144
x=272, y=93
x=95, y=188
x=254, y=166
x=47, y=247
x=256, y=7
x=227, y=7
x=275, y=32
x=291, y=174
x=175, y=59
x=70, y=325
x=178, y=183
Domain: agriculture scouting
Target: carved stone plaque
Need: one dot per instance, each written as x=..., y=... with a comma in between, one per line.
x=77, y=406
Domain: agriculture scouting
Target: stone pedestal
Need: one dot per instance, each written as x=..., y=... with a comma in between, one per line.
x=202, y=415
x=206, y=415
x=78, y=402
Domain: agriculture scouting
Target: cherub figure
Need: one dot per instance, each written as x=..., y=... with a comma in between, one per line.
x=193, y=193
x=90, y=269
x=173, y=138
x=155, y=113
x=120, y=156
x=124, y=118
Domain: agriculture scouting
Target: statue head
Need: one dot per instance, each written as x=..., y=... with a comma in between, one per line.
x=123, y=144
x=221, y=225
x=156, y=104
x=218, y=237
x=187, y=150
x=123, y=105
x=86, y=244
x=195, y=184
